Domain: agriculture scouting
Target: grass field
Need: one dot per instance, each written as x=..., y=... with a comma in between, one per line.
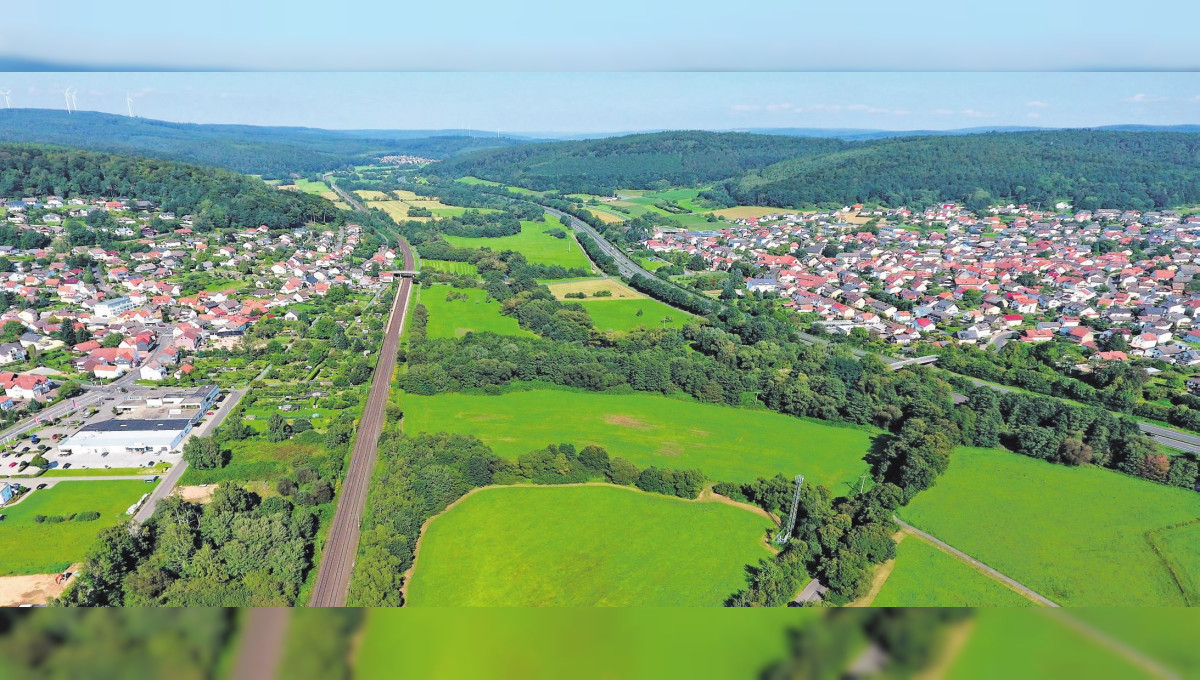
x=1008, y=643
x=453, y=319
x=33, y=548
x=397, y=210
x=590, y=287
x=310, y=187
x=609, y=314
x=1180, y=548
x=1076, y=535
x=926, y=576
x=1165, y=635
x=606, y=216
x=591, y=644
x=745, y=211
x=535, y=244
x=448, y=266
x=107, y=472
x=258, y=460
x=584, y=546
x=725, y=443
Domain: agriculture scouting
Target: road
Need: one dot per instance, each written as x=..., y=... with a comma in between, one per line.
x=1172, y=438
x=341, y=546
x=1013, y=583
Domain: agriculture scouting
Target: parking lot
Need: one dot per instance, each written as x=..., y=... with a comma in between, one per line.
x=49, y=436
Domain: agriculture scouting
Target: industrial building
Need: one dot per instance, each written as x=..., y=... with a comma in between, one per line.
x=133, y=435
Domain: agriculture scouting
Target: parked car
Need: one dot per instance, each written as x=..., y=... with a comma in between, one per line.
x=66, y=465
x=41, y=486
x=151, y=480
x=13, y=464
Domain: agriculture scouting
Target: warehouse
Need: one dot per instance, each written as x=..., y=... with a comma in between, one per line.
x=128, y=436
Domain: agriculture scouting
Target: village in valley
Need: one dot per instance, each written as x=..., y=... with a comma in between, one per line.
x=1119, y=284
x=159, y=316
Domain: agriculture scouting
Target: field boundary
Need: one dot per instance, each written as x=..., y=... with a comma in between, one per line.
x=882, y=573
x=1158, y=551
x=1008, y=581
x=711, y=498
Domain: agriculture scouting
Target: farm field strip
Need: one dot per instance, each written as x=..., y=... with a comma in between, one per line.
x=725, y=443
x=535, y=244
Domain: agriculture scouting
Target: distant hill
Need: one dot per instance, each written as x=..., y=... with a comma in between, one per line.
x=601, y=165
x=267, y=151
x=1089, y=168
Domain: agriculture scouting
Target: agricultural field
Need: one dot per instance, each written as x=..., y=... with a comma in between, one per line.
x=609, y=314
x=1006, y=643
x=590, y=287
x=725, y=443
x=926, y=576
x=539, y=644
x=451, y=267
x=455, y=318
x=44, y=548
x=584, y=546
x=606, y=216
x=746, y=211
x=1075, y=535
x=535, y=244
x=488, y=182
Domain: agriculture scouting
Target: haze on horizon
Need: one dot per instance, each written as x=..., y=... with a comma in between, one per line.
x=595, y=103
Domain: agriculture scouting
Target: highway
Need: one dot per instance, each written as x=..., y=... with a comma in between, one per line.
x=341, y=545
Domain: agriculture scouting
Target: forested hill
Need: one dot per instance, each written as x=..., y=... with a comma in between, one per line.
x=268, y=151
x=634, y=161
x=218, y=198
x=1088, y=168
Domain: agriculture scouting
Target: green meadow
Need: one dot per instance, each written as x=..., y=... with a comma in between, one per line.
x=593, y=644
x=926, y=576
x=259, y=460
x=725, y=443
x=1036, y=645
x=1075, y=535
x=535, y=244
x=310, y=187
x=45, y=548
x=584, y=546
x=455, y=318
x=622, y=315
x=1163, y=634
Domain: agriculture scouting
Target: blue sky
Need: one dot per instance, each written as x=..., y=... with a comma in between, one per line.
x=611, y=102
x=616, y=35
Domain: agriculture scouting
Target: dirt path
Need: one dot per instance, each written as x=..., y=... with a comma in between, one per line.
x=264, y=632
x=196, y=494
x=882, y=572
x=951, y=649
x=706, y=496
x=980, y=566
x=32, y=588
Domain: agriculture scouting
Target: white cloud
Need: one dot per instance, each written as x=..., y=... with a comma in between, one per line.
x=1036, y=104
x=1143, y=98
x=943, y=112
x=972, y=113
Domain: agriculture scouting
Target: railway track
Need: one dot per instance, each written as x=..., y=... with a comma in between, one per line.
x=341, y=546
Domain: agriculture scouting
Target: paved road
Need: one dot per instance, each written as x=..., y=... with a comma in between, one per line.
x=1020, y=587
x=341, y=546
x=812, y=592
x=263, y=634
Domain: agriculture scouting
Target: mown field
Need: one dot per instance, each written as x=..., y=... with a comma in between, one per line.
x=45, y=548
x=535, y=244
x=455, y=318
x=623, y=315
x=259, y=460
x=725, y=443
x=926, y=576
x=1007, y=643
x=448, y=266
x=584, y=546
x=1165, y=635
x=543, y=644
x=1076, y=535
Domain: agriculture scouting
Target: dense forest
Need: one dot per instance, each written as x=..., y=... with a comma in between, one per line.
x=1091, y=169
x=1088, y=168
x=218, y=198
x=663, y=159
x=272, y=152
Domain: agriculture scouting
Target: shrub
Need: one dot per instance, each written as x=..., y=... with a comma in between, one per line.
x=621, y=471
x=88, y=516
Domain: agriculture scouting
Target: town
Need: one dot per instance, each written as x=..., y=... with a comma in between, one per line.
x=1120, y=285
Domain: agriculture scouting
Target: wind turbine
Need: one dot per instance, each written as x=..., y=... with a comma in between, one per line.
x=129, y=104
x=7, y=103
x=67, y=96
x=74, y=101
